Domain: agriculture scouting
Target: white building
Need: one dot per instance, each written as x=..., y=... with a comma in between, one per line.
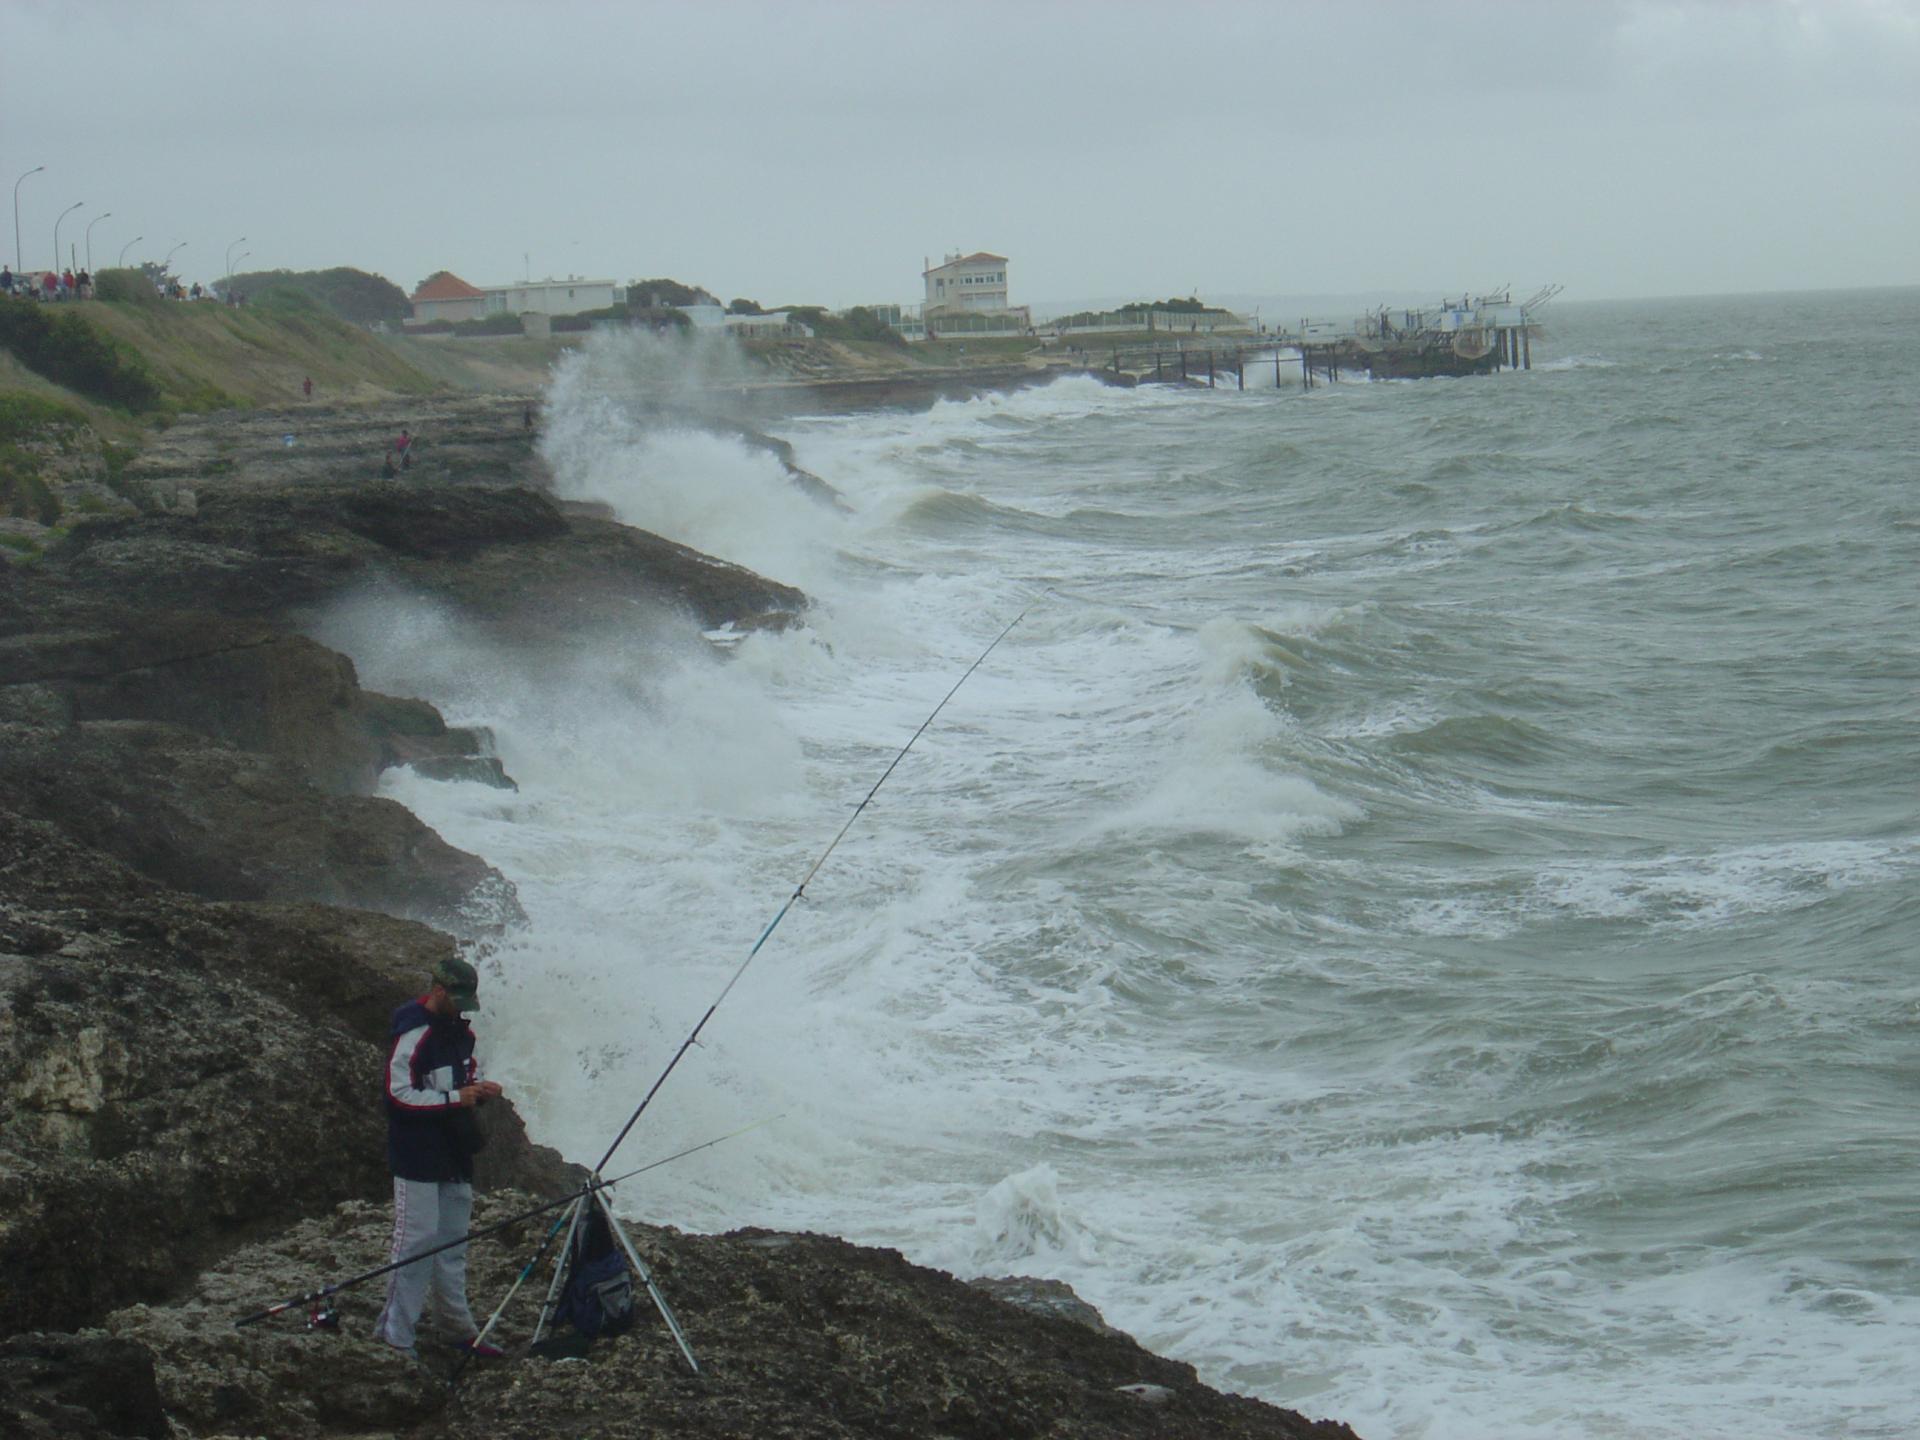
x=570, y=296
x=445, y=296
x=966, y=282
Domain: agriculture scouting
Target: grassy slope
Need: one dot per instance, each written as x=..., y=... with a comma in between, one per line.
x=209, y=356
x=204, y=356
x=508, y=364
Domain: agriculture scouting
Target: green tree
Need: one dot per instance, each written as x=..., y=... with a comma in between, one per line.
x=642, y=293
x=356, y=296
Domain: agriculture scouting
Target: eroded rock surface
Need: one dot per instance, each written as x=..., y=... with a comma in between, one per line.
x=797, y=1335
x=176, y=1075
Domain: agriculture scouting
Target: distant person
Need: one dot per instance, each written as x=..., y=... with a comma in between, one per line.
x=403, y=447
x=387, y=472
x=6, y=281
x=194, y=293
x=306, y=387
x=85, y=282
x=66, y=284
x=50, y=286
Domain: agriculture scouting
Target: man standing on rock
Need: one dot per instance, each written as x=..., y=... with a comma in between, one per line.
x=432, y=1085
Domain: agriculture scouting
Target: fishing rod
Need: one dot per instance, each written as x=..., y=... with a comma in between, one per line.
x=799, y=893
x=593, y=1185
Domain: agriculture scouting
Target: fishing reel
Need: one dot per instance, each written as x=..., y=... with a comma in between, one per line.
x=323, y=1317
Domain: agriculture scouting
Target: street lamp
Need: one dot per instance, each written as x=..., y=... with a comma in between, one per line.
x=90, y=224
x=16, y=215
x=128, y=246
x=166, y=265
x=56, y=230
x=241, y=241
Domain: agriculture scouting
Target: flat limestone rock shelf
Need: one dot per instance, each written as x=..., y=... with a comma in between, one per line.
x=797, y=1335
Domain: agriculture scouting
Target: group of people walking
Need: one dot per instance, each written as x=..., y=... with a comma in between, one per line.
x=47, y=285
x=78, y=285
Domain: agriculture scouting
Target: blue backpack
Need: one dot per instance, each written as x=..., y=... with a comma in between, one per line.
x=598, y=1298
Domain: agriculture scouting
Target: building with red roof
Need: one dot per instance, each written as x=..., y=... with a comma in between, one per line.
x=443, y=295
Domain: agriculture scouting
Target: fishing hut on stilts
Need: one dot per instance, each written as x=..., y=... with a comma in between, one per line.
x=1471, y=335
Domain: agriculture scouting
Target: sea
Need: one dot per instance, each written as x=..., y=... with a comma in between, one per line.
x=1418, y=918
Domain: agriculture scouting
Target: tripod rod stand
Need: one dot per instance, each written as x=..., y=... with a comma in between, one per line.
x=575, y=1217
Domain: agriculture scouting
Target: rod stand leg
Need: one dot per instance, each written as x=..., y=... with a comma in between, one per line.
x=560, y=1264
x=646, y=1278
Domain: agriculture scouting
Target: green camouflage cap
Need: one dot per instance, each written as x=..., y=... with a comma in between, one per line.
x=462, y=982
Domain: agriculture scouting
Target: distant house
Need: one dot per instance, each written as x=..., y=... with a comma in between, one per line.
x=570, y=296
x=443, y=295
x=966, y=282
x=967, y=294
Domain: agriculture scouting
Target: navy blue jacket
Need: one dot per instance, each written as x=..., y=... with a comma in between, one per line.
x=430, y=1058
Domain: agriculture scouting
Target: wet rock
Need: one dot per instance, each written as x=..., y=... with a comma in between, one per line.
x=78, y=1387
x=504, y=556
x=176, y=1075
x=480, y=769
x=228, y=824
x=1045, y=1297
x=811, y=1337
x=64, y=658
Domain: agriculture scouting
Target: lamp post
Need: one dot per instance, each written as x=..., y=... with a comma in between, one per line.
x=166, y=265
x=56, y=230
x=241, y=241
x=90, y=224
x=17, y=260
x=126, y=247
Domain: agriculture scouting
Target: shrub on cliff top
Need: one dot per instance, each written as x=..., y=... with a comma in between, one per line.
x=64, y=348
x=666, y=294
x=356, y=296
x=128, y=286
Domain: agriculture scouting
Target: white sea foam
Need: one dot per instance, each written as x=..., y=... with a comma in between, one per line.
x=1287, y=1066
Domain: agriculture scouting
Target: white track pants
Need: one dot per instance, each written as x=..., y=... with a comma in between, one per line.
x=426, y=1214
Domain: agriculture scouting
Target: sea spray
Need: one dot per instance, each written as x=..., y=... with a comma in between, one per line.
x=1466, y=1011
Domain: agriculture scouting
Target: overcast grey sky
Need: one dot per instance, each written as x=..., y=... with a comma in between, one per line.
x=812, y=152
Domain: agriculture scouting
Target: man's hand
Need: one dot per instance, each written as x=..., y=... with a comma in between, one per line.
x=478, y=1093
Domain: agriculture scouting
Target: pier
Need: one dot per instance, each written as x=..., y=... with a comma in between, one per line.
x=1473, y=335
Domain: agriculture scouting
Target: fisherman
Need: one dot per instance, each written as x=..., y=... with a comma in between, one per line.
x=432, y=1087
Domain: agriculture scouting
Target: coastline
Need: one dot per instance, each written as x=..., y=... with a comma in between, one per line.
x=194, y=859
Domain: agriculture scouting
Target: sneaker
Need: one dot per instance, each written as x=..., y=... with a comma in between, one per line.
x=480, y=1350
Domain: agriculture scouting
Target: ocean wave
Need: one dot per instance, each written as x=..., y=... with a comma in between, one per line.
x=1488, y=737
x=1707, y=890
